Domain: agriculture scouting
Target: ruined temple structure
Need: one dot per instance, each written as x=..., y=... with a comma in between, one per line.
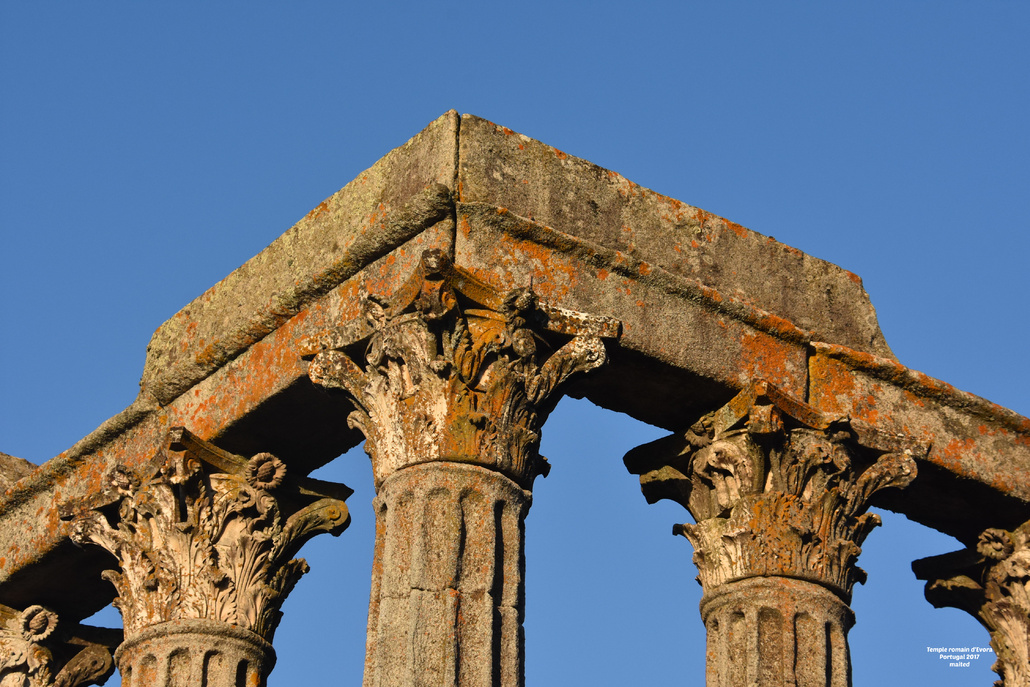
x=436, y=308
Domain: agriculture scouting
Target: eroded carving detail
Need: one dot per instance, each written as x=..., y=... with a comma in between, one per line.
x=455, y=371
x=208, y=535
x=777, y=488
x=34, y=654
x=992, y=583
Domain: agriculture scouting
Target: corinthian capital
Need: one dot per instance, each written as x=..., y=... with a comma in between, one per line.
x=206, y=534
x=777, y=488
x=36, y=650
x=450, y=369
x=992, y=583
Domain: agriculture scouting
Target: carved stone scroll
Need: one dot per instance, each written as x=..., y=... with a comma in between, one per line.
x=205, y=543
x=992, y=583
x=451, y=382
x=779, y=491
x=36, y=650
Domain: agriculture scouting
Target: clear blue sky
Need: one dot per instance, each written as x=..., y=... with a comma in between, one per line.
x=146, y=150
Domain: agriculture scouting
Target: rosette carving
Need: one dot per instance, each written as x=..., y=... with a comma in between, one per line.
x=36, y=651
x=205, y=534
x=991, y=581
x=776, y=487
x=454, y=370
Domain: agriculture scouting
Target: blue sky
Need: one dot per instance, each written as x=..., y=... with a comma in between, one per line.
x=147, y=150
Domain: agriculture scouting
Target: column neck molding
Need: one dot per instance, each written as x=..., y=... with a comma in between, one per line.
x=777, y=488
x=450, y=369
x=205, y=534
x=991, y=582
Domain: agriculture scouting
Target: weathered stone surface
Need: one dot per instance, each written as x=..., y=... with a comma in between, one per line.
x=977, y=471
x=992, y=583
x=195, y=653
x=769, y=632
x=260, y=401
x=779, y=492
x=205, y=534
x=456, y=371
x=38, y=650
x=694, y=335
x=533, y=180
x=697, y=343
x=204, y=542
x=401, y=195
x=13, y=469
x=447, y=588
x=456, y=382
x=776, y=487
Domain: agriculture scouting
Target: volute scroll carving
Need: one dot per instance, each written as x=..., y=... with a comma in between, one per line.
x=36, y=650
x=991, y=582
x=776, y=487
x=454, y=370
x=205, y=534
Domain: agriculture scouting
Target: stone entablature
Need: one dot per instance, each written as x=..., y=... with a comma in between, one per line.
x=991, y=582
x=442, y=292
x=779, y=492
x=455, y=371
x=37, y=650
x=777, y=488
x=205, y=542
x=453, y=387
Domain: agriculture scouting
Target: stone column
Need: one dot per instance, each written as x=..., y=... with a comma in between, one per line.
x=779, y=492
x=37, y=650
x=992, y=583
x=454, y=384
x=205, y=542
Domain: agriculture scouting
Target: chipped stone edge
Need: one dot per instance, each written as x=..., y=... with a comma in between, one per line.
x=923, y=385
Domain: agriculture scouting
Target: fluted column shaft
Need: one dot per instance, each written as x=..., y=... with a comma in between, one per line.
x=455, y=384
x=779, y=493
x=204, y=541
x=194, y=653
x=776, y=631
x=447, y=590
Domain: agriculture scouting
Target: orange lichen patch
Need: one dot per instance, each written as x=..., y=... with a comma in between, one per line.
x=953, y=454
x=923, y=385
x=239, y=387
x=711, y=294
x=853, y=277
x=772, y=359
x=831, y=385
x=736, y=228
x=602, y=274
x=913, y=399
x=319, y=210
x=511, y=256
x=559, y=154
x=507, y=131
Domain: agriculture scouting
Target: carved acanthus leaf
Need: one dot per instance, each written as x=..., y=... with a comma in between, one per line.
x=454, y=370
x=776, y=488
x=34, y=652
x=197, y=543
x=991, y=581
